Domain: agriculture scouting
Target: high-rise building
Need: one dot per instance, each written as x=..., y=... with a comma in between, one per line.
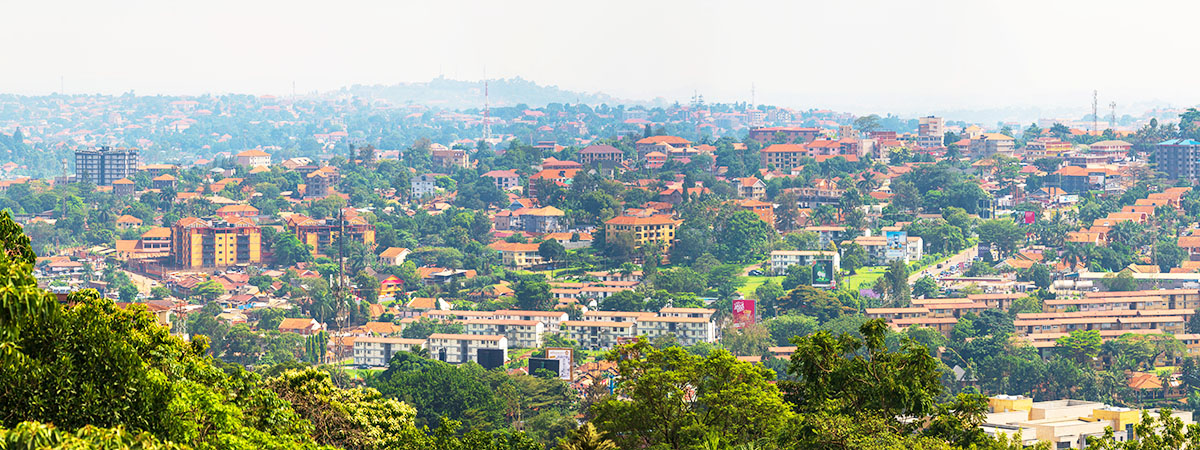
x=931, y=132
x=1179, y=158
x=104, y=165
x=197, y=243
x=321, y=234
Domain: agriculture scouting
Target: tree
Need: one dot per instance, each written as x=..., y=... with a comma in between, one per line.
x=797, y=275
x=552, y=251
x=533, y=293
x=784, y=328
x=750, y=340
x=208, y=290
x=814, y=302
x=894, y=283
x=128, y=293
x=1003, y=233
x=1039, y=274
x=768, y=294
x=670, y=398
x=288, y=250
x=1168, y=255
x=586, y=437
x=346, y=418
x=925, y=287
x=1122, y=281
x=854, y=256
x=741, y=237
x=437, y=389
x=1080, y=345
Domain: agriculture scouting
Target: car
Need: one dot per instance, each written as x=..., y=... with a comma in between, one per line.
x=756, y=273
x=939, y=266
x=364, y=366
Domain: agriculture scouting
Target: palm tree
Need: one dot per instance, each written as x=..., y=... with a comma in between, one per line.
x=868, y=183
x=824, y=214
x=586, y=438
x=1074, y=254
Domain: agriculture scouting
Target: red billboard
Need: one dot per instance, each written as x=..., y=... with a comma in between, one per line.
x=1029, y=217
x=743, y=312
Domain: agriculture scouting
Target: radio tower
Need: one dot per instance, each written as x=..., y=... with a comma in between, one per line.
x=487, y=124
x=1095, y=110
x=1112, y=119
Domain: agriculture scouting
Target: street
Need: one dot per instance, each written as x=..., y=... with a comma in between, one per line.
x=964, y=256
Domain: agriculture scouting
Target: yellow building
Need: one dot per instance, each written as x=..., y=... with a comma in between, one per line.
x=320, y=234
x=660, y=228
x=199, y=243
x=517, y=255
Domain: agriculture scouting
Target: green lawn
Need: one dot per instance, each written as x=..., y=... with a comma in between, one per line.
x=864, y=275
x=752, y=283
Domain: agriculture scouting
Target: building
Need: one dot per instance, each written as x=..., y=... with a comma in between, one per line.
x=1179, y=158
x=752, y=188
x=124, y=187
x=319, y=182
x=785, y=157
x=1062, y=423
x=1114, y=149
x=988, y=144
x=790, y=135
x=449, y=158
x=657, y=228
x=516, y=255
x=164, y=181
x=764, y=210
x=461, y=348
x=663, y=144
x=102, y=166
x=931, y=132
x=320, y=234
x=254, y=158
x=394, y=256
x=199, y=243
x=231, y=212
x=305, y=326
x=504, y=179
x=520, y=333
x=782, y=259
x=551, y=319
x=600, y=334
x=593, y=154
x=540, y=220
x=686, y=330
x=378, y=351
x=876, y=247
x=423, y=185
x=127, y=221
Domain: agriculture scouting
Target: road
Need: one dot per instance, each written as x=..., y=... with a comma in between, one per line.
x=964, y=256
x=142, y=282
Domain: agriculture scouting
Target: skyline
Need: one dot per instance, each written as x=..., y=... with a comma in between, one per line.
x=864, y=57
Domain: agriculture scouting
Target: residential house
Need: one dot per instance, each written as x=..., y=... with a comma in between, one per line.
x=394, y=256
x=782, y=259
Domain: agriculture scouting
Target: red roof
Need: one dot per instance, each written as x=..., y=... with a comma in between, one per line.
x=664, y=140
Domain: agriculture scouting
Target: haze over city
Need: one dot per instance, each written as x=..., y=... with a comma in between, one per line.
x=860, y=56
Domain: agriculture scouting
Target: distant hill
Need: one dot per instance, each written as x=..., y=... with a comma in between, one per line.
x=458, y=94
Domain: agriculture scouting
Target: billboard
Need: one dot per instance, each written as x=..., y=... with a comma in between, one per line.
x=897, y=245
x=536, y=364
x=566, y=359
x=490, y=358
x=743, y=312
x=1030, y=217
x=822, y=273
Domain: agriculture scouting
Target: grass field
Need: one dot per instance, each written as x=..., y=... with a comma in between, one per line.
x=864, y=275
x=752, y=283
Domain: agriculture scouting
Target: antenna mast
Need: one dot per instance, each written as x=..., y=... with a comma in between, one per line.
x=1112, y=119
x=1095, y=110
x=487, y=123
x=752, y=99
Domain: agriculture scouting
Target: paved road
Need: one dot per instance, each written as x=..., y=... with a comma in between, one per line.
x=962, y=257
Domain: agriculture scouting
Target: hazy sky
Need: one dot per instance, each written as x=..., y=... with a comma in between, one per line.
x=863, y=56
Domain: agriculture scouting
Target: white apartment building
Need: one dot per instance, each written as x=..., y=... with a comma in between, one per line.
x=423, y=185
x=616, y=316
x=694, y=313
x=461, y=348
x=378, y=351
x=599, y=334
x=551, y=319
x=782, y=259
x=520, y=333
x=687, y=330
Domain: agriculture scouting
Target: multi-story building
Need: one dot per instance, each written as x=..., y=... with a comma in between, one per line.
x=377, y=351
x=600, y=153
x=504, y=179
x=657, y=228
x=449, y=158
x=660, y=143
x=1063, y=424
x=320, y=234
x=600, y=334
x=461, y=348
x=551, y=319
x=102, y=166
x=988, y=144
x=254, y=158
x=790, y=135
x=784, y=157
x=782, y=259
x=1179, y=158
x=516, y=255
x=752, y=188
x=931, y=132
x=687, y=330
x=423, y=185
x=520, y=333
x=197, y=243
x=876, y=247
x=163, y=181
x=540, y=220
x=764, y=210
x=318, y=182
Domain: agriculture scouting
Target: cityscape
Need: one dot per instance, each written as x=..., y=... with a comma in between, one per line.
x=446, y=262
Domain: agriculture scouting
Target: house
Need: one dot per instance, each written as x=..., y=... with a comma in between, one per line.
x=551, y=319
x=424, y=184
x=231, y=212
x=390, y=286
x=540, y=220
x=659, y=143
x=751, y=188
x=784, y=157
x=461, y=348
x=790, y=135
x=594, y=154
x=127, y=221
x=305, y=326
x=253, y=158
x=515, y=255
x=764, y=210
x=164, y=181
x=504, y=179
x=988, y=144
x=123, y=186
x=394, y=256
x=449, y=158
x=877, y=249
